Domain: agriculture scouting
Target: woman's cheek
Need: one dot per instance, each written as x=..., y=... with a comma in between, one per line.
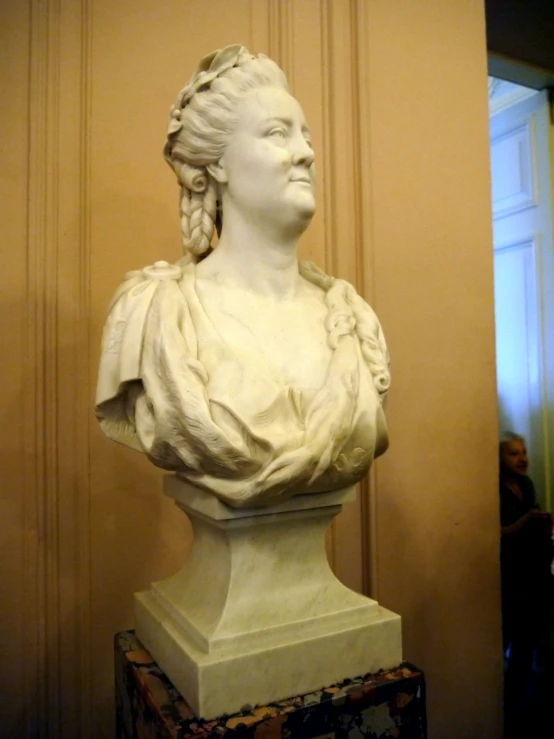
x=286, y=159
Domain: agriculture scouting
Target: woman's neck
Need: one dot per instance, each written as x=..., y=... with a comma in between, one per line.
x=254, y=259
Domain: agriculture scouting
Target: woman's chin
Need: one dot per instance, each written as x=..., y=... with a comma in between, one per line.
x=292, y=215
x=304, y=203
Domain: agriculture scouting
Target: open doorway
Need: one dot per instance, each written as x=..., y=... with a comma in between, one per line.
x=524, y=271
x=521, y=164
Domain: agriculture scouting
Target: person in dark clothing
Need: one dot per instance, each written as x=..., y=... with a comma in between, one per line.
x=526, y=556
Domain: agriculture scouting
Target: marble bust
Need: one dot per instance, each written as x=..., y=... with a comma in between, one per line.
x=252, y=375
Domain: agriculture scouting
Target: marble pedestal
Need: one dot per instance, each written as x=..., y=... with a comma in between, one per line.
x=256, y=615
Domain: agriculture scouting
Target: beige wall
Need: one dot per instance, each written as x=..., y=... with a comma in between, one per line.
x=437, y=506
x=396, y=96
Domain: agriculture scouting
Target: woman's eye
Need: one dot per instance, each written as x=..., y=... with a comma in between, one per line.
x=278, y=133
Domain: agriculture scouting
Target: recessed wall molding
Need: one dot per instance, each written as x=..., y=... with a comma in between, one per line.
x=346, y=170
x=42, y=640
x=513, y=182
x=56, y=414
x=281, y=36
x=361, y=33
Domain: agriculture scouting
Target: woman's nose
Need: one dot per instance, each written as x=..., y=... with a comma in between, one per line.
x=302, y=152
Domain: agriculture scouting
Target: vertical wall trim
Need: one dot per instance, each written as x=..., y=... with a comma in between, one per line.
x=84, y=394
x=260, y=26
x=33, y=564
x=328, y=175
x=346, y=170
x=359, y=124
x=57, y=401
x=365, y=259
x=328, y=135
x=281, y=36
x=287, y=30
x=41, y=565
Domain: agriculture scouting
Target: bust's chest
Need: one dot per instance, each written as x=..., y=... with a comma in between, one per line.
x=287, y=339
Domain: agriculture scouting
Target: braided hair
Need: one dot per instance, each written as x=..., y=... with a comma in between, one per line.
x=200, y=124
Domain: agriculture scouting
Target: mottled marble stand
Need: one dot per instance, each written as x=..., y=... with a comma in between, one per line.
x=390, y=703
x=256, y=614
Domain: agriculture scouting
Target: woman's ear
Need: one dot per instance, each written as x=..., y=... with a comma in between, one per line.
x=218, y=172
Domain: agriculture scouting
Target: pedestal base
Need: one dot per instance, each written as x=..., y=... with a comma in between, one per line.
x=256, y=615
x=388, y=704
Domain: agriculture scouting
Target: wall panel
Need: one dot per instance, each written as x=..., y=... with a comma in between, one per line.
x=402, y=212
x=17, y=543
x=436, y=504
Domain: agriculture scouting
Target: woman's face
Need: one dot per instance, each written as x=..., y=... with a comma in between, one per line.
x=267, y=168
x=514, y=457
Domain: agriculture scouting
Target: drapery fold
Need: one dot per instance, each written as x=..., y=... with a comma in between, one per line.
x=169, y=385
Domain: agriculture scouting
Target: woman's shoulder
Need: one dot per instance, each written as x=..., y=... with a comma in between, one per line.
x=134, y=287
x=129, y=314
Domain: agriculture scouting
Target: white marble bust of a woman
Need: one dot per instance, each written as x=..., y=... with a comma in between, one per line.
x=252, y=375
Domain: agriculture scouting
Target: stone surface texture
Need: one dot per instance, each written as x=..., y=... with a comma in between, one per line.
x=252, y=374
x=256, y=614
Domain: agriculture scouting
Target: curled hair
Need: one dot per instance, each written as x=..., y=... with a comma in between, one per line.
x=200, y=125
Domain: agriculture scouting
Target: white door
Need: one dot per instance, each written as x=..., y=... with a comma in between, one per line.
x=524, y=279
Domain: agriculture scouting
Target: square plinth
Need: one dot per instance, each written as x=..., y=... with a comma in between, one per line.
x=390, y=703
x=256, y=613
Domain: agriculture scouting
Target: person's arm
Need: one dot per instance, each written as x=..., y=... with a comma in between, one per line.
x=517, y=526
x=534, y=514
